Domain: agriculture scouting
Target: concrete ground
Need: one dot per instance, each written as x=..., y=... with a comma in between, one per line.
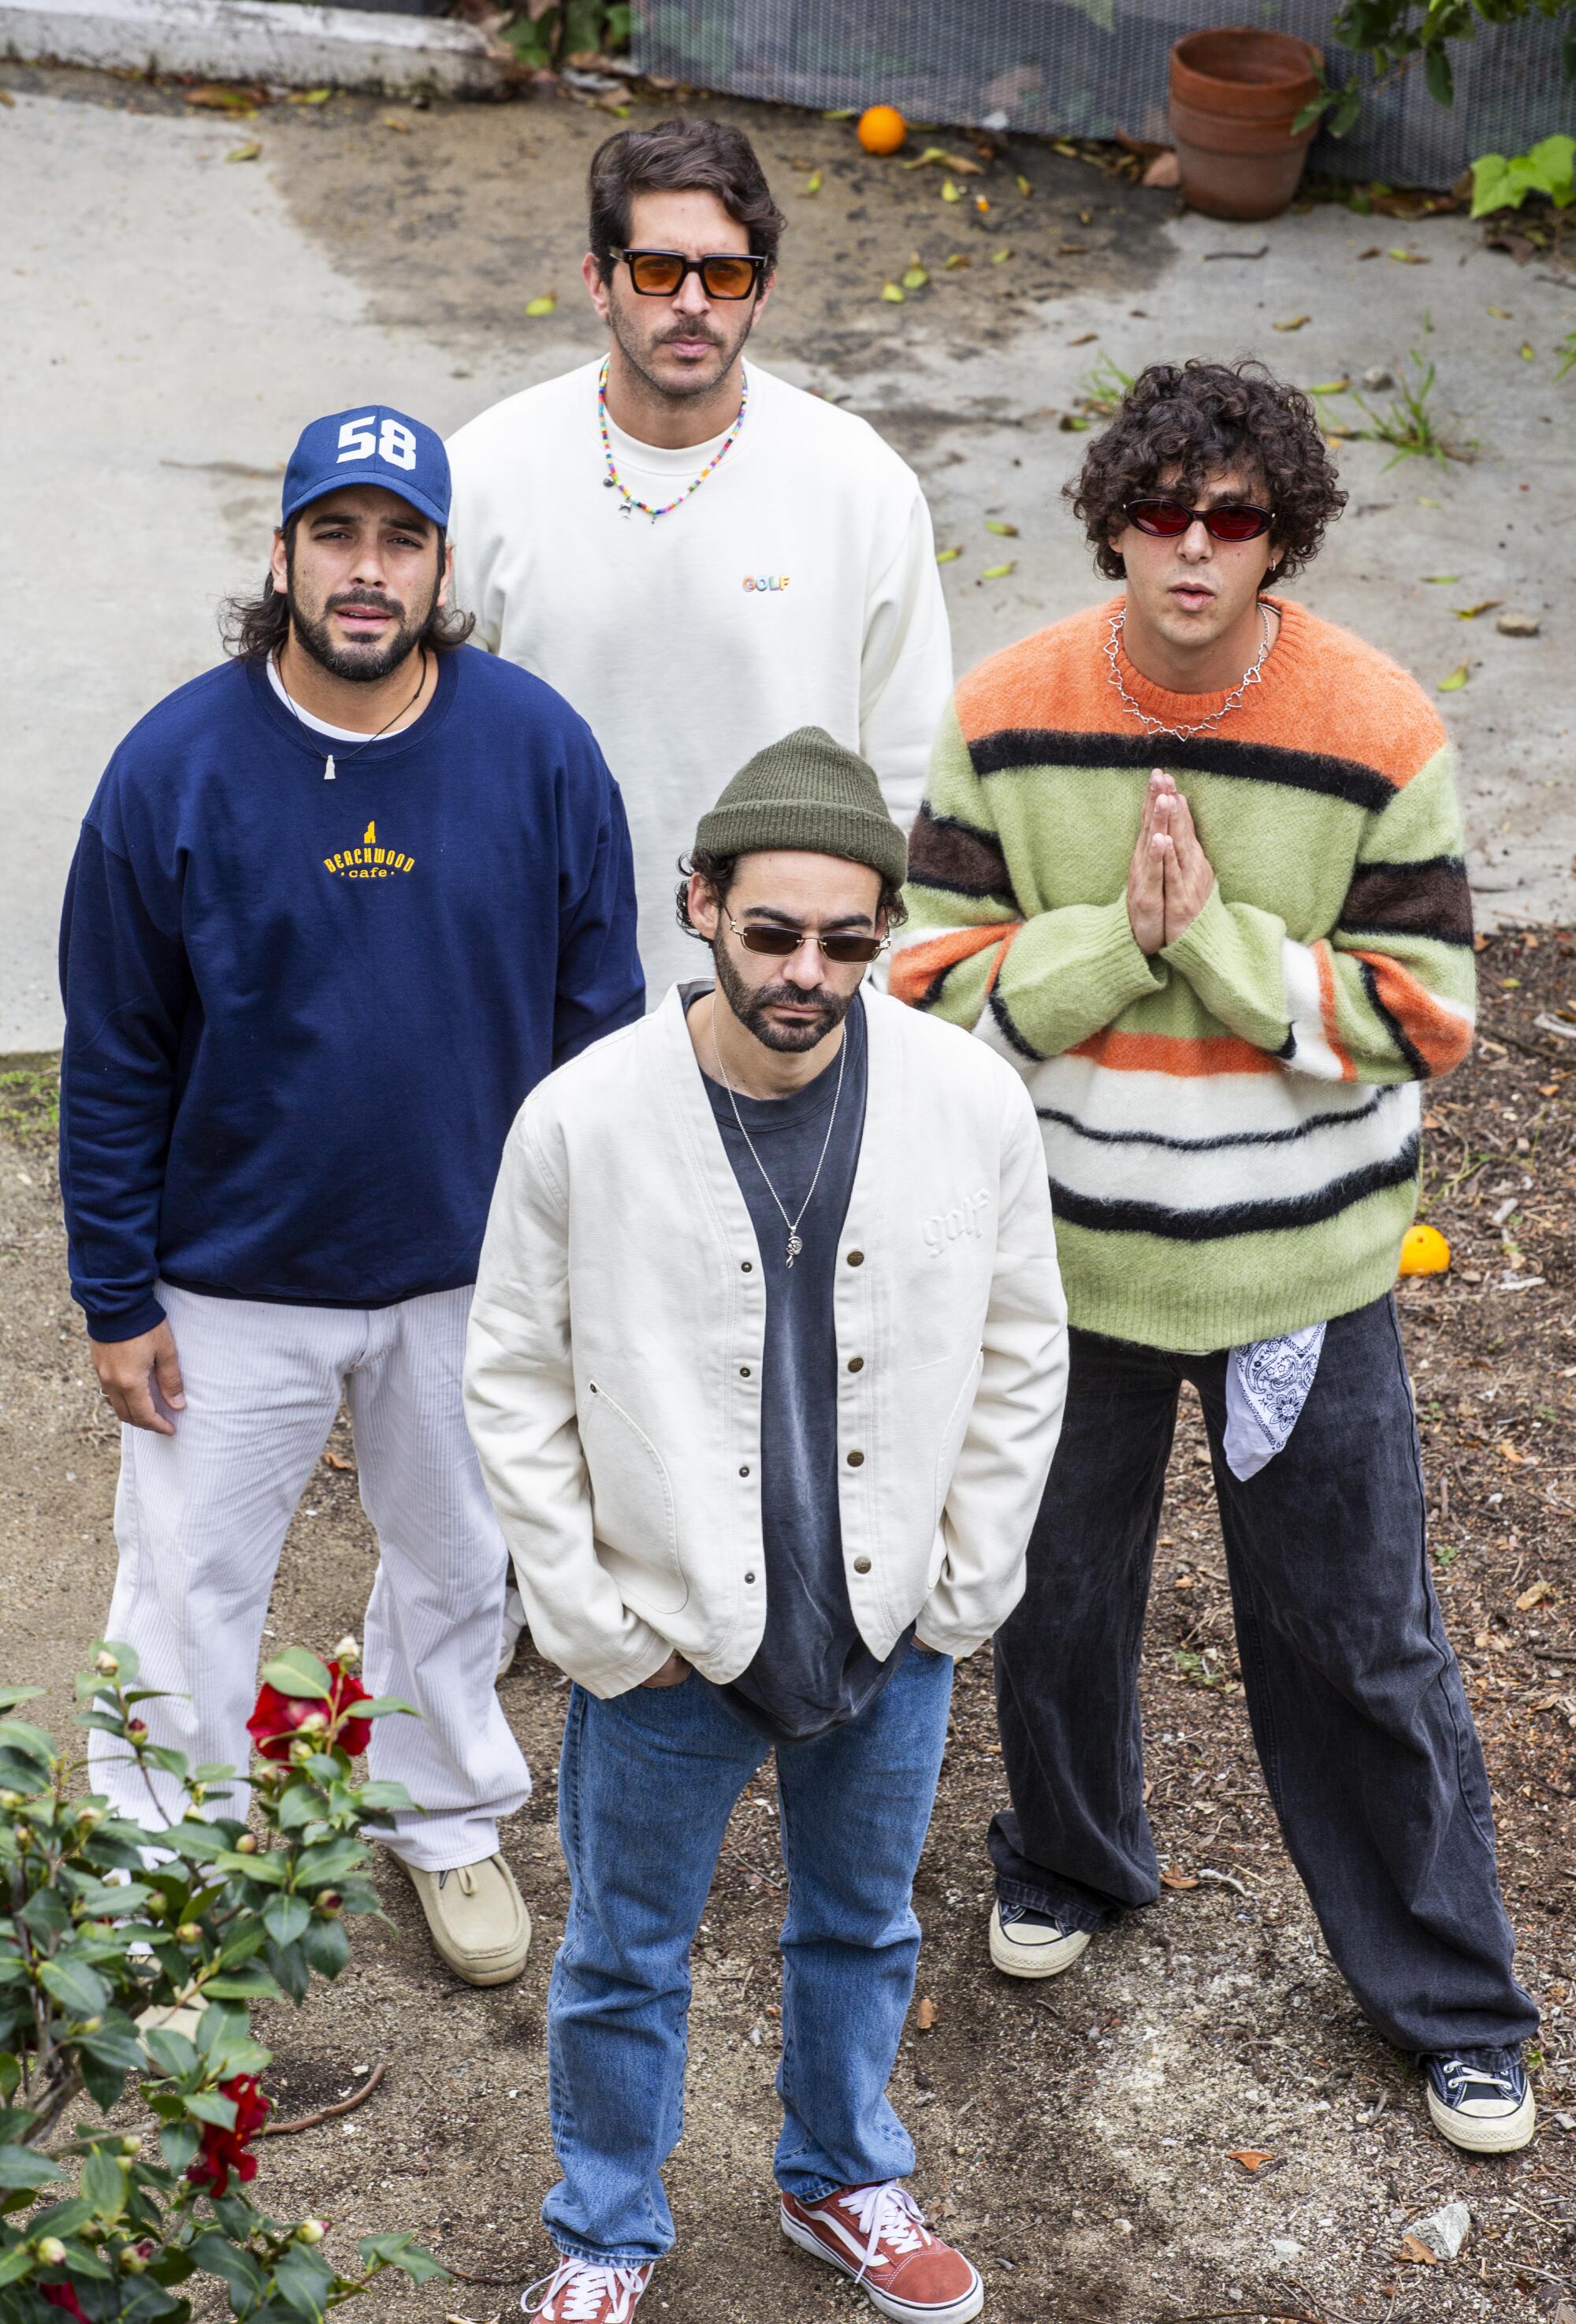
x=168, y=321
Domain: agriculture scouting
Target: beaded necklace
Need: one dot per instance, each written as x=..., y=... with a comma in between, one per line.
x=614, y=482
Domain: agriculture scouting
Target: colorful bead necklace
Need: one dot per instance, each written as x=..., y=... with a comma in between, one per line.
x=614, y=482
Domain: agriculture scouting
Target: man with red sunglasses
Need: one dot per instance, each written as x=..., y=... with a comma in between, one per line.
x=1193, y=860
x=764, y=1373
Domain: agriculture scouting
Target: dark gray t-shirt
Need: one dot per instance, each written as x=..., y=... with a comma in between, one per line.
x=812, y=1671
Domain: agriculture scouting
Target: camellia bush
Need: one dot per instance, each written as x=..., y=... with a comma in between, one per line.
x=108, y=1928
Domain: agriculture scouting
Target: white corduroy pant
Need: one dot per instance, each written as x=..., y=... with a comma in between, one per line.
x=201, y=1518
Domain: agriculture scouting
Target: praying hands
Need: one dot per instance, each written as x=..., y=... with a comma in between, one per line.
x=1170, y=877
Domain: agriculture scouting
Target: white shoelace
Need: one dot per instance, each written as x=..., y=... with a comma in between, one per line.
x=886, y=2214
x=586, y=2286
x=1457, y=2075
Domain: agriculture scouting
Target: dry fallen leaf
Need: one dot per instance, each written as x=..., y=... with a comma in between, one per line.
x=949, y=192
x=1509, y=1453
x=1251, y=2158
x=337, y=1460
x=1292, y=323
x=1455, y=681
x=214, y=98
x=1415, y=2249
x=1024, y=188
x=247, y=153
x=813, y=182
x=999, y=257
x=1407, y=257
x=1518, y=625
x=308, y=96
x=916, y=278
x=954, y=259
x=1170, y=1878
x=1000, y=524
x=1083, y=338
x=947, y=556
x=7, y=99
x=392, y=121
x=894, y=293
x=1373, y=251
x=1437, y=580
x=1165, y=172
x=1502, y=312
x=926, y=2014
x=542, y=306
x=999, y=572
x=1330, y=387
x=1528, y=352
x=1471, y=612
x=1534, y=1596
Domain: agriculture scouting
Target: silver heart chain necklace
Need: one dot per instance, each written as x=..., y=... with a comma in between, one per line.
x=793, y=1244
x=1233, y=701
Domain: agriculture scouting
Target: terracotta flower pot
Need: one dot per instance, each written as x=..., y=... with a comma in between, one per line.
x=1234, y=97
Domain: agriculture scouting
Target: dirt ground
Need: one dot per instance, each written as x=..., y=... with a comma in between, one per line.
x=1076, y=2136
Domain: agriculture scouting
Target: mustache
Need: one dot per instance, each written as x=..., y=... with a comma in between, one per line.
x=366, y=598
x=692, y=331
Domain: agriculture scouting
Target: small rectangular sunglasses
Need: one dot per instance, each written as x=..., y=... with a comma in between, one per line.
x=781, y=942
x=724, y=274
x=1167, y=517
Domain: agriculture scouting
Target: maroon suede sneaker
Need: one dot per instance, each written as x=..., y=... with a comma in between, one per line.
x=586, y=2292
x=878, y=2236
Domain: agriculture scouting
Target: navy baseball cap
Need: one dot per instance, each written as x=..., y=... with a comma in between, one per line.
x=370, y=444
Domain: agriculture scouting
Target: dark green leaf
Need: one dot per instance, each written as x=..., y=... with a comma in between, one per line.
x=239, y=2270
x=246, y=1985
x=10, y=2073
x=303, y=2279
x=81, y=2261
x=242, y=1942
x=61, y=2218
x=178, y=2143
x=382, y=1705
x=297, y=1672
x=300, y=1804
x=326, y=1945
x=383, y=1795
x=10, y=1696
x=28, y=1743
x=210, y=2106
x=76, y=1986
x=290, y=1966
x=172, y=2053
x=328, y=1863
x=103, y=2185
x=285, y=1917
x=115, y=2044
x=21, y=2167
x=1438, y=74
x=403, y=2253
x=104, y=2081
x=14, y=2262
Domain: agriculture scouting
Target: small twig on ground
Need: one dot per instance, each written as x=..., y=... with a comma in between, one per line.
x=1226, y=1879
x=326, y=2114
x=451, y=2267
x=744, y=1864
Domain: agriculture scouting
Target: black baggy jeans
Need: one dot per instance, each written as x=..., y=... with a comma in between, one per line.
x=1358, y=1711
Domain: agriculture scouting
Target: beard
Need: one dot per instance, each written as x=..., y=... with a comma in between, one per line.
x=750, y=1003
x=638, y=353
x=364, y=664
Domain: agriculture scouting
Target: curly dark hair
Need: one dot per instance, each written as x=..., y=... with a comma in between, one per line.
x=718, y=872
x=1183, y=422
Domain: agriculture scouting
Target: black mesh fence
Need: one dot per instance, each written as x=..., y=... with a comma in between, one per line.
x=1092, y=68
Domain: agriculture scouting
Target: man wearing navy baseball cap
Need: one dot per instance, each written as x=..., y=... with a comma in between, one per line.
x=337, y=906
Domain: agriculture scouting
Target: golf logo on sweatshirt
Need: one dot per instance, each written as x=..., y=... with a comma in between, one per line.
x=370, y=861
x=766, y=580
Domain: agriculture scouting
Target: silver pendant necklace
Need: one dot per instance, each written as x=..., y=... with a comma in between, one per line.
x=793, y=1244
x=329, y=772
x=1158, y=725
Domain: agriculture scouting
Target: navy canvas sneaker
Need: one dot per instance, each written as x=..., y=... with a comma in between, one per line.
x=1480, y=2099
x=1027, y=1943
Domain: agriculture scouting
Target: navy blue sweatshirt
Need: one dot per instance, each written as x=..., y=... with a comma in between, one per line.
x=302, y=1015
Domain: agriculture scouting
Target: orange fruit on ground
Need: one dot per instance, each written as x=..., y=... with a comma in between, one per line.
x=882, y=129
x=1424, y=1251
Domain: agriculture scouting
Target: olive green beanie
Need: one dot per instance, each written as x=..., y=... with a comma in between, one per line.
x=808, y=792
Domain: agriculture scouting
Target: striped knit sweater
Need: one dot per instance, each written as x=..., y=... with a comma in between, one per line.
x=1231, y=1126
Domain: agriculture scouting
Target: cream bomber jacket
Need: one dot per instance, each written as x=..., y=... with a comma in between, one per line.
x=613, y=1370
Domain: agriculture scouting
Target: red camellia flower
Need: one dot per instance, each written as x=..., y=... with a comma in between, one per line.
x=63, y=2295
x=224, y=2150
x=276, y=1717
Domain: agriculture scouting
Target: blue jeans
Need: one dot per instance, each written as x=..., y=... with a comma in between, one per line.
x=646, y=1783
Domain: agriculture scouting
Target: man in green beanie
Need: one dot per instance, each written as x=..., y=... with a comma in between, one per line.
x=765, y=1374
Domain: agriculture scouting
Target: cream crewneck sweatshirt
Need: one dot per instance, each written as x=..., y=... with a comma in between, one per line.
x=796, y=587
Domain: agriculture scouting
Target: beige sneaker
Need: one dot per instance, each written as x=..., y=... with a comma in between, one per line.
x=478, y=1917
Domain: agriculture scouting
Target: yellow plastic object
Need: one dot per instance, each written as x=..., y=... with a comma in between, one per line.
x=882, y=129
x=1424, y=1251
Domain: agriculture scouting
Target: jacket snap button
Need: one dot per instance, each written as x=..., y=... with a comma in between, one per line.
x=856, y=1363
x=861, y=1566
x=745, y=1471
x=746, y=1267
x=856, y=1259
x=856, y=1460
x=743, y=1371
x=748, y=1577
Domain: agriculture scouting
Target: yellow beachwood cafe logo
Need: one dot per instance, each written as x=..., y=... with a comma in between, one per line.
x=369, y=861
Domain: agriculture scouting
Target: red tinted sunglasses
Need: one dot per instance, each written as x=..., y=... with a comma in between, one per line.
x=1166, y=519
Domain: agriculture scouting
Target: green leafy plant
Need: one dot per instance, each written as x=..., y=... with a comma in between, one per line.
x=548, y=33
x=1501, y=185
x=1408, y=423
x=110, y=1927
x=1400, y=36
